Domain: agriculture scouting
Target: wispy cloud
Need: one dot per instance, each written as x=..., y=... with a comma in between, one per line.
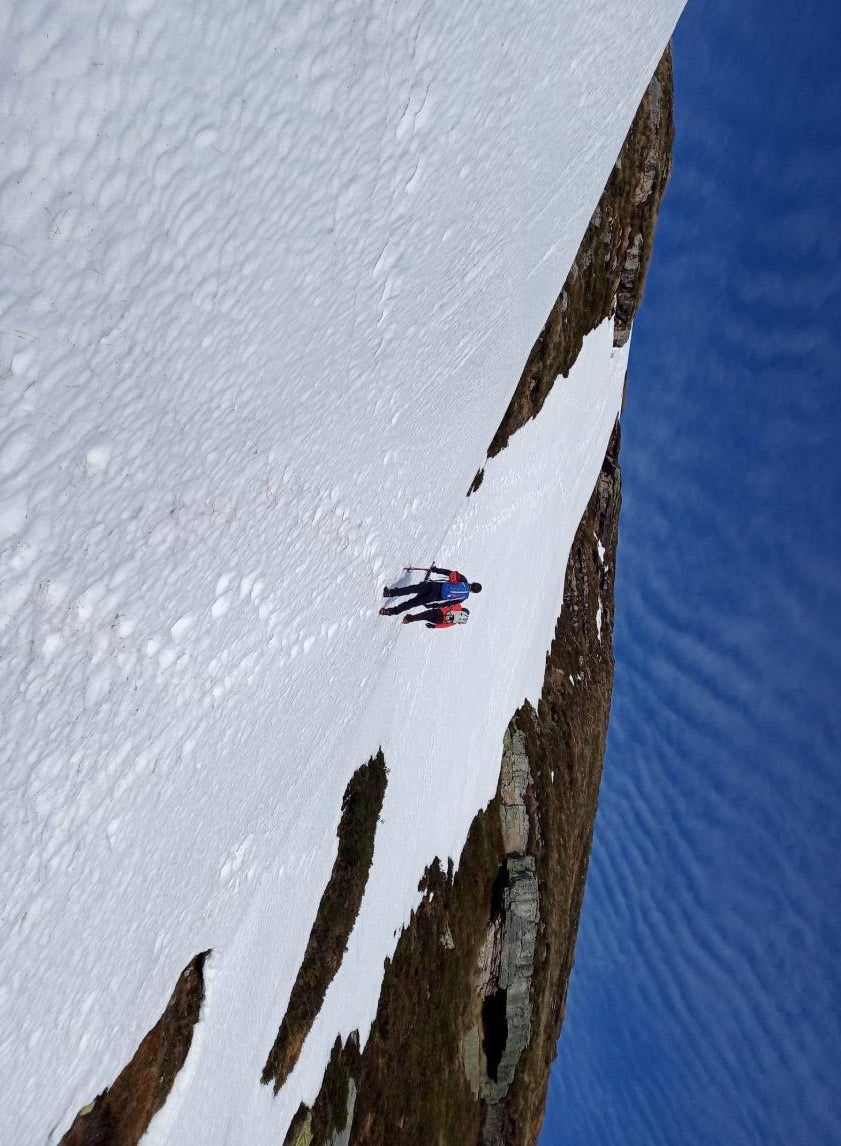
x=704, y=1003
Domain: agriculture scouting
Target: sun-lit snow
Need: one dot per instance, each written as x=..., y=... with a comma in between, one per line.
x=267, y=281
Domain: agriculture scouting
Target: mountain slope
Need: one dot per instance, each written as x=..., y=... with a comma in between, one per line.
x=267, y=283
x=478, y=982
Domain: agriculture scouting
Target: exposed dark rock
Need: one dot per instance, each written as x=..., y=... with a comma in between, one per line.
x=329, y=1121
x=341, y=1137
x=413, y=1083
x=494, y=1034
x=564, y=742
x=608, y=274
x=487, y=1011
x=477, y=481
x=334, y=920
x=121, y=1114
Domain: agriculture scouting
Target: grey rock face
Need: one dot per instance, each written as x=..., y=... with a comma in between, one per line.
x=521, y=918
x=490, y=959
x=513, y=781
x=655, y=115
x=506, y=960
x=475, y=1064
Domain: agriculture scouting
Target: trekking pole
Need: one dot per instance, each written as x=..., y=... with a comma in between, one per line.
x=417, y=568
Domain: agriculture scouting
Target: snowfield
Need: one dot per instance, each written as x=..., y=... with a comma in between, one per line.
x=268, y=279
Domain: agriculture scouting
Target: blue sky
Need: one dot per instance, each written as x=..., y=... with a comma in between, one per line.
x=705, y=1006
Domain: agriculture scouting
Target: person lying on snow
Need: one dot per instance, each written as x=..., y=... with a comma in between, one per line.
x=455, y=589
x=444, y=617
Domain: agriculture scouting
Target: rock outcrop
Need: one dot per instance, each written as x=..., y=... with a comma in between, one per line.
x=334, y=920
x=608, y=274
x=521, y=915
x=565, y=737
x=486, y=1003
x=514, y=779
x=505, y=964
x=329, y=1121
x=121, y=1115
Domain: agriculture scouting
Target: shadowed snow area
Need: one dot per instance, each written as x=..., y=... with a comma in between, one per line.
x=268, y=282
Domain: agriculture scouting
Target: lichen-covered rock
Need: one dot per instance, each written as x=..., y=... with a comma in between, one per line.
x=513, y=781
x=302, y=1134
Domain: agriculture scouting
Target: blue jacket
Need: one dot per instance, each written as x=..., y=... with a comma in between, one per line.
x=455, y=588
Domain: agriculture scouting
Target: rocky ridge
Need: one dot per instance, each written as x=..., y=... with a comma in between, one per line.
x=506, y=958
x=121, y=1114
x=608, y=274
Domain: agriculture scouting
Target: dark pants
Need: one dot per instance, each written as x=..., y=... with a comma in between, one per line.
x=433, y=616
x=425, y=593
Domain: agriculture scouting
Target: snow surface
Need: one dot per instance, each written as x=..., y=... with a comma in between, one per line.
x=267, y=281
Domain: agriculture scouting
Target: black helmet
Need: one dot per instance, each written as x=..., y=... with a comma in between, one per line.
x=475, y=587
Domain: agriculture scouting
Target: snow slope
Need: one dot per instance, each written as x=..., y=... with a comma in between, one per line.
x=268, y=279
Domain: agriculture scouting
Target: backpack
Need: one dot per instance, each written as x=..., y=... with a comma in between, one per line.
x=452, y=591
x=453, y=615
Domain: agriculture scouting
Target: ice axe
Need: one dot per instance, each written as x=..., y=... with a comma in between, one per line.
x=427, y=569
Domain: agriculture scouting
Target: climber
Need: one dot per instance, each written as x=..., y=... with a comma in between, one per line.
x=441, y=617
x=455, y=589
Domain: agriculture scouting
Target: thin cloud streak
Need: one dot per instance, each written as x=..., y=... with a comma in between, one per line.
x=703, y=1006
